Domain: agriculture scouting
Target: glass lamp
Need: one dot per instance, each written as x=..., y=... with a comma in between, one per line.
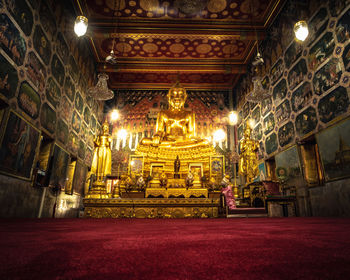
x=80, y=25
x=101, y=90
x=301, y=30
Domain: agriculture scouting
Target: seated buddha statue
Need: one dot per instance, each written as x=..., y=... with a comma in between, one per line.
x=175, y=127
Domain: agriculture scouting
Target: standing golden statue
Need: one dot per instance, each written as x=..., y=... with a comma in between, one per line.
x=248, y=163
x=102, y=158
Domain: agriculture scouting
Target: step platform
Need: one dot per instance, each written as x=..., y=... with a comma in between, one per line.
x=246, y=213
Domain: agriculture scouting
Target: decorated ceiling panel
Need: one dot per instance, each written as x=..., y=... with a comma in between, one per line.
x=153, y=39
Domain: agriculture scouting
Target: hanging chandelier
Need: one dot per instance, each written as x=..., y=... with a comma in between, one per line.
x=258, y=93
x=101, y=90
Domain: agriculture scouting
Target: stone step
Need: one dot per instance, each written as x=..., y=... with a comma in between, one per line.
x=247, y=213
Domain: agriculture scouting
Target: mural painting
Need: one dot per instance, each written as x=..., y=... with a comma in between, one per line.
x=346, y=58
x=336, y=7
x=88, y=156
x=57, y=69
x=293, y=53
x=18, y=147
x=266, y=106
x=335, y=158
x=8, y=78
x=261, y=151
x=36, y=71
x=73, y=69
x=280, y=91
x=302, y=97
x=297, y=74
x=321, y=51
x=48, y=118
x=306, y=121
x=93, y=123
x=79, y=177
x=84, y=131
x=240, y=131
x=73, y=142
x=282, y=112
x=343, y=27
x=22, y=14
x=328, y=76
x=81, y=149
x=33, y=3
x=47, y=20
x=245, y=110
x=11, y=40
x=256, y=114
x=317, y=25
x=69, y=88
x=29, y=100
x=257, y=132
x=62, y=131
x=53, y=92
x=288, y=166
x=62, y=47
x=262, y=172
x=276, y=71
x=269, y=124
x=76, y=122
x=66, y=109
x=79, y=103
x=59, y=167
x=286, y=134
x=265, y=83
x=334, y=104
x=271, y=143
x=87, y=115
x=42, y=45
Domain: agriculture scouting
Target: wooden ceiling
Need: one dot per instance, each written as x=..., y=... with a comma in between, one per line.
x=207, y=42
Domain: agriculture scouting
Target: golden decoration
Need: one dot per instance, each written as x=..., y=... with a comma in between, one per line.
x=149, y=5
x=233, y=5
x=123, y=47
x=203, y=48
x=132, y=3
x=150, y=47
x=216, y=6
x=229, y=49
x=177, y=48
x=117, y=4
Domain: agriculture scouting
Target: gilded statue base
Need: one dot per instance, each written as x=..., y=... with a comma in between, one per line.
x=98, y=190
x=152, y=208
x=176, y=192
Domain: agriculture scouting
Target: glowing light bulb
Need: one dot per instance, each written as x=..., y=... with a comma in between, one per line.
x=122, y=134
x=80, y=25
x=219, y=135
x=233, y=118
x=301, y=30
x=114, y=115
x=251, y=123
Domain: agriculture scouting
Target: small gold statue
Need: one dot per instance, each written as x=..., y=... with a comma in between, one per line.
x=248, y=163
x=102, y=159
x=177, y=168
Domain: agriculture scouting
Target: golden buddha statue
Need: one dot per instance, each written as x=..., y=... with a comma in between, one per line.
x=102, y=159
x=248, y=163
x=175, y=140
x=175, y=127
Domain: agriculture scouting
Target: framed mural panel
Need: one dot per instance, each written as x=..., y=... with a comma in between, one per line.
x=197, y=170
x=262, y=172
x=335, y=158
x=60, y=163
x=79, y=177
x=288, y=165
x=217, y=167
x=8, y=78
x=19, y=146
x=136, y=165
x=156, y=170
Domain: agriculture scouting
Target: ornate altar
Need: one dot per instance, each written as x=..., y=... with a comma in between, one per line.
x=169, y=168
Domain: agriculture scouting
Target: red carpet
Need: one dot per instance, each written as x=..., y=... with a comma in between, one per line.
x=289, y=248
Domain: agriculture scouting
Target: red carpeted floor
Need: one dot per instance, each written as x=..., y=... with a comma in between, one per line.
x=260, y=248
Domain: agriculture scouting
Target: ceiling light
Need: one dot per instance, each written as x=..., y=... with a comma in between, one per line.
x=233, y=118
x=111, y=58
x=301, y=30
x=101, y=90
x=219, y=135
x=80, y=25
x=114, y=115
